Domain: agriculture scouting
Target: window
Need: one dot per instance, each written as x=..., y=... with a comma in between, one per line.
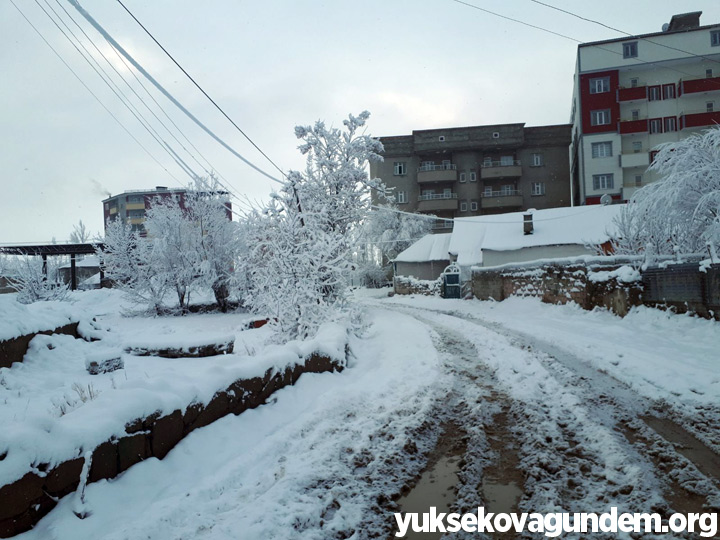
x=537, y=160
x=402, y=197
x=638, y=179
x=630, y=49
x=655, y=125
x=427, y=165
x=506, y=161
x=710, y=106
x=473, y=176
x=654, y=93
x=715, y=38
x=669, y=124
x=653, y=155
x=603, y=181
x=463, y=206
x=601, y=149
x=668, y=91
x=506, y=190
x=637, y=147
x=473, y=206
x=633, y=82
x=487, y=192
x=447, y=164
x=447, y=193
x=538, y=188
x=487, y=162
x=635, y=114
x=600, y=118
x=708, y=73
x=462, y=177
x=400, y=169
x=600, y=85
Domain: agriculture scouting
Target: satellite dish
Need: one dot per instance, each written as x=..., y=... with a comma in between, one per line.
x=606, y=199
x=665, y=27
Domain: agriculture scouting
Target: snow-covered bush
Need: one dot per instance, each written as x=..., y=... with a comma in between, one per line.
x=303, y=239
x=680, y=212
x=26, y=276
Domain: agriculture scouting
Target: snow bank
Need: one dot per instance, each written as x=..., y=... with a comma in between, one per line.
x=624, y=274
x=18, y=319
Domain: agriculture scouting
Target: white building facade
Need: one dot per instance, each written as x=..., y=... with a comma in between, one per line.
x=634, y=93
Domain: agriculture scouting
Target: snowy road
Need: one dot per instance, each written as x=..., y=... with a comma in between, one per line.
x=515, y=419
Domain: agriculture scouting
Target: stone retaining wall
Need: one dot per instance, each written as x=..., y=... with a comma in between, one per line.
x=410, y=285
x=24, y=502
x=13, y=350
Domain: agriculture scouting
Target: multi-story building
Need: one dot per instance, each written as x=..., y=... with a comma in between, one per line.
x=634, y=93
x=470, y=171
x=130, y=207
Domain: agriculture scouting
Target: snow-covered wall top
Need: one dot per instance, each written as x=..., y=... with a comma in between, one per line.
x=18, y=319
x=431, y=247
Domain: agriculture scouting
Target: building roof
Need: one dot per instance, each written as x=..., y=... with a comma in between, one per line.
x=431, y=247
x=577, y=225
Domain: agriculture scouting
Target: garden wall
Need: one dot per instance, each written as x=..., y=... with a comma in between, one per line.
x=410, y=285
x=28, y=499
x=13, y=350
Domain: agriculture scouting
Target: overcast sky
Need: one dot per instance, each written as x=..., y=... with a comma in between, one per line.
x=414, y=64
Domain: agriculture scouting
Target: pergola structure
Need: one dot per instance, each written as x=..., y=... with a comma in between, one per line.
x=44, y=250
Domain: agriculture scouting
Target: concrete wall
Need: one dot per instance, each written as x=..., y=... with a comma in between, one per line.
x=428, y=270
x=497, y=258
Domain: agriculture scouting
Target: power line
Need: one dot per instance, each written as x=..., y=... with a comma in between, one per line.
x=200, y=88
x=92, y=93
x=114, y=88
x=626, y=33
x=160, y=88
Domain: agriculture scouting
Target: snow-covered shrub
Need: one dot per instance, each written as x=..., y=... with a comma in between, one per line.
x=303, y=239
x=32, y=284
x=680, y=212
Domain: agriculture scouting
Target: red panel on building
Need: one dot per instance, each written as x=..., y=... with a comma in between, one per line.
x=596, y=200
x=700, y=119
x=633, y=126
x=600, y=101
x=632, y=94
x=700, y=85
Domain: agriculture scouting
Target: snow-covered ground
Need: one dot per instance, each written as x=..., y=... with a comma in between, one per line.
x=327, y=457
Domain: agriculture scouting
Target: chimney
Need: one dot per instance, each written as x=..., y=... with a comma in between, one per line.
x=527, y=223
x=684, y=21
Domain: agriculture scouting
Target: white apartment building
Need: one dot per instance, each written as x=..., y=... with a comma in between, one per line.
x=634, y=93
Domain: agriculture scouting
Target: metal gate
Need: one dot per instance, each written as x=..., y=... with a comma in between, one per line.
x=452, y=287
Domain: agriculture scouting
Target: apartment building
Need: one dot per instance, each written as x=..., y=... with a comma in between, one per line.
x=130, y=206
x=634, y=93
x=470, y=171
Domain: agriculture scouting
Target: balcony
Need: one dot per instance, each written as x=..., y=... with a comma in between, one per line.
x=501, y=199
x=641, y=159
x=443, y=225
x=136, y=206
x=434, y=202
x=446, y=172
x=699, y=86
x=699, y=119
x=638, y=93
x=500, y=169
x=633, y=126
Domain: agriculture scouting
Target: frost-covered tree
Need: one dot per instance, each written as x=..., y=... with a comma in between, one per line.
x=680, y=212
x=26, y=276
x=128, y=260
x=389, y=232
x=79, y=234
x=303, y=240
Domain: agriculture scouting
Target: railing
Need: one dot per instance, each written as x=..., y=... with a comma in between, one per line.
x=505, y=193
x=441, y=167
x=514, y=163
x=442, y=224
x=436, y=196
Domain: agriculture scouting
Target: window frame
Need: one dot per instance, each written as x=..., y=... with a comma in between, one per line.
x=600, y=114
x=462, y=177
x=473, y=206
x=669, y=124
x=630, y=49
x=603, y=181
x=537, y=189
x=654, y=93
x=538, y=160
x=402, y=197
x=463, y=206
x=715, y=38
x=473, y=176
x=655, y=126
x=595, y=149
x=600, y=85
x=399, y=168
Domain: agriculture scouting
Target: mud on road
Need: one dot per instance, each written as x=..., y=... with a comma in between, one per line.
x=527, y=426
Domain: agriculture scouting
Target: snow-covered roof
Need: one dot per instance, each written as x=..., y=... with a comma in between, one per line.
x=431, y=247
x=89, y=261
x=577, y=225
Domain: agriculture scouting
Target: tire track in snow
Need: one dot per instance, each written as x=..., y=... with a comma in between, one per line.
x=587, y=461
